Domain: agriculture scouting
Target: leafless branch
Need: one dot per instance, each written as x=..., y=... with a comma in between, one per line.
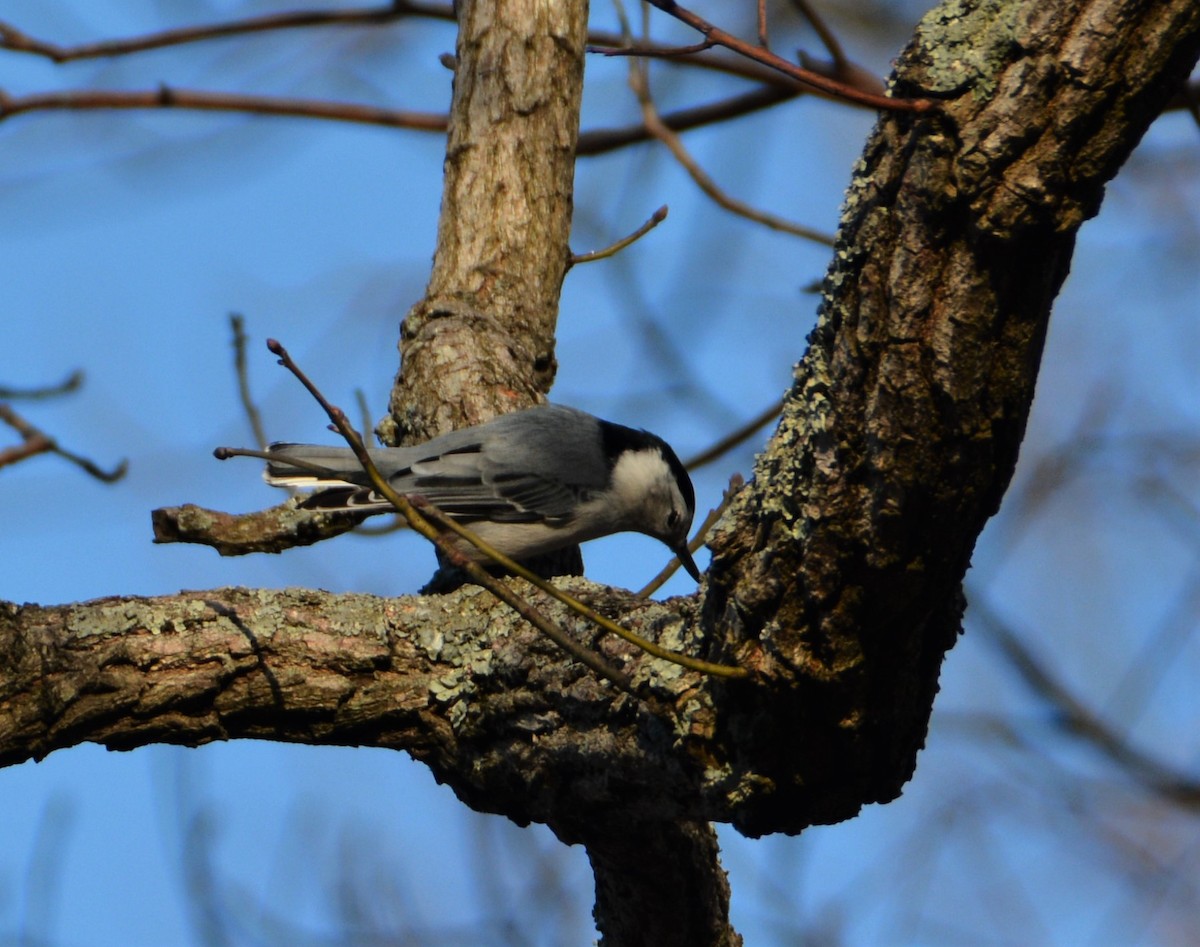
x=66, y=386
x=13, y=39
x=654, y=124
x=1077, y=720
x=719, y=37
x=37, y=442
x=169, y=97
x=824, y=33
x=614, y=248
x=734, y=438
x=602, y=140
x=253, y=415
x=597, y=141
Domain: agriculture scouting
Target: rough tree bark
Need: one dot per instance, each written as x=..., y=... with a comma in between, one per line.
x=836, y=577
x=481, y=342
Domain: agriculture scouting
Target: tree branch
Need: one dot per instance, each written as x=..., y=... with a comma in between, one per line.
x=446, y=678
x=845, y=559
x=714, y=35
x=18, y=41
x=167, y=97
x=481, y=342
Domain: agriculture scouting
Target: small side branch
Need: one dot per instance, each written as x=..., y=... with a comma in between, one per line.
x=655, y=125
x=734, y=438
x=239, y=534
x=13, y=39
x=824, y=33
x=602, y=140
x=253, y=415
x=71, y=383
x=36, y=442
x=168, y=97
x=614, y=248
x=715, y=36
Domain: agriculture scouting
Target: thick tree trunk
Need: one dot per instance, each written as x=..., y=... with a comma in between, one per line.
x=481, y=342
x=841, y=568
x=837, y=576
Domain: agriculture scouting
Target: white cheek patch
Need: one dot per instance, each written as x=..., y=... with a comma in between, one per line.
x=639, y=473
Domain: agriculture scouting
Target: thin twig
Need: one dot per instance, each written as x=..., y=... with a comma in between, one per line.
x=824, y=34
x=394, y=523
x=30, y=446
x=655, y=125
x=774, y=89
x=18, y=41
x=734, y=438
x=594, y=142
x=1077, y=720
x=683, y=660
x=66, y=386
x=601, y=140
x=238, y=324
x=38, y=442
x=833, y=87
x=614, y=248
x=718, y=59
x=764, y=39
x=13, y=39
x=735, y=484
x=167, y=97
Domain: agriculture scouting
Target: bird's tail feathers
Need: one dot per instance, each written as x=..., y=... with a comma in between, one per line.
x=306, y=466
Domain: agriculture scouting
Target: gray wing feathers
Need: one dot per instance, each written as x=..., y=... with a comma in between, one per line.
x=477, y=473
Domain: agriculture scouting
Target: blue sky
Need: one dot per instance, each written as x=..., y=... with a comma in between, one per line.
x=127, y=239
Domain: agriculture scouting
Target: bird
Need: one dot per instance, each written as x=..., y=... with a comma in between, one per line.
x=528, y=483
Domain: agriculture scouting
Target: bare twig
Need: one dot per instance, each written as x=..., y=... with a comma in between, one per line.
x=237, y=324
x=13, y=39
x=734, y=438
x=597, y=141
x=735, y=484
x=37, y=442
x=674, y=657
x=763, y=38
x=774, y=88
x=824, y=34
x=614, y=248
x=16, y=40
x=1074, y=718
x=33, y=441
x=655, y=125
x=722, y=61
x=166, y=97
x=602, y=140
x=719, y=37
x=66, y=386
x=395, y=523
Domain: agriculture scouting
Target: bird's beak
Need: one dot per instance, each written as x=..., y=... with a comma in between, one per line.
x=686, y=560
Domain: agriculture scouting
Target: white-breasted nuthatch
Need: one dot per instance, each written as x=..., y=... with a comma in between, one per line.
x=527, y=483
